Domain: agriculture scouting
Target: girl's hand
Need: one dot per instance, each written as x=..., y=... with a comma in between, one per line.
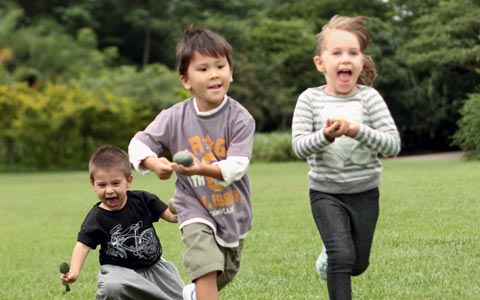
x=335, y=128
x=352, y=130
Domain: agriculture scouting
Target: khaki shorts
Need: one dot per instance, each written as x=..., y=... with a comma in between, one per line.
x=204, y=255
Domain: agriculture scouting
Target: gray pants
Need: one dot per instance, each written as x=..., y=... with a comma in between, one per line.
x=159, y=282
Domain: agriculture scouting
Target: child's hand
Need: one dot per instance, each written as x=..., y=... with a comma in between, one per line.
x=162, y=167
x=335, y=128
x=69, y=277
x=194, y=169
x=169, y=215
x=352, y=129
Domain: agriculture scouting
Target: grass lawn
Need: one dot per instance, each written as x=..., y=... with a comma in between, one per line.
x=427, y=243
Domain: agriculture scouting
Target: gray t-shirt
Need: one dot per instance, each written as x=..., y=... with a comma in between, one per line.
x=199, y=199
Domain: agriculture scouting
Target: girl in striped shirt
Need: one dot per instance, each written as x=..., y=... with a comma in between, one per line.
x=341, y=128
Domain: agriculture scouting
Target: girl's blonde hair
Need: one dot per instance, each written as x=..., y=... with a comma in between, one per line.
x=355, y=25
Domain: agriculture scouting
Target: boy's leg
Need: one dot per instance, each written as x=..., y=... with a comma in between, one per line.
x=206, y=287
x=203, y=259
x=166, y=277
x=116, y=282
x=232, y=264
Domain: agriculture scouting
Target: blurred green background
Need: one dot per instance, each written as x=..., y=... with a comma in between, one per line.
x=77, y=74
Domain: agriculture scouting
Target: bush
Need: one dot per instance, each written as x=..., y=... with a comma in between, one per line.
x=60, y=126
x=468, y=135
x=276, y=146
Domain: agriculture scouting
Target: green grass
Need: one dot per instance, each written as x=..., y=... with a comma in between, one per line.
x=427, y=243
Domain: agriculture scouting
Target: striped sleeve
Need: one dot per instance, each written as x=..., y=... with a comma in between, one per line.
x=381, y=133
x=307, y=133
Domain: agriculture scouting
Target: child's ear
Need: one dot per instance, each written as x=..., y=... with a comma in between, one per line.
x=319, y=64
x=185, y=82
x=129, y=180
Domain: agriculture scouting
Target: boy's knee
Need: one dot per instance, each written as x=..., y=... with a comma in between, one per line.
x=109, y=290
x=225, y=278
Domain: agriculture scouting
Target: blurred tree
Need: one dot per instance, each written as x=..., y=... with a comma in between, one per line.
x=468, y=135
x=277, y=65
x=149, y=90
x=442, y=49
x=425, y=51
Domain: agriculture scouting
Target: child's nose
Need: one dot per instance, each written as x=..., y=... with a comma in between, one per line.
x=346, y=58
x=214, y=73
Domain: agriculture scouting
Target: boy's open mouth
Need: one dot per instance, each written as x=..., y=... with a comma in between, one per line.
x=112, y=200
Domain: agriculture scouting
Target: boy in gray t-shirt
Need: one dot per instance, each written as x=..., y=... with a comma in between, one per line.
x=212, y=196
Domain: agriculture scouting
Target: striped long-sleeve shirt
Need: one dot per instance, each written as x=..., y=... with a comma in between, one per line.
x=346, y=165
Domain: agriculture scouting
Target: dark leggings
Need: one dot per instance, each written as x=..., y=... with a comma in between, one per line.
x=346, y=223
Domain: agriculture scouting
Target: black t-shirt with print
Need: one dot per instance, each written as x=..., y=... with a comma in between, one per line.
x=126, y=237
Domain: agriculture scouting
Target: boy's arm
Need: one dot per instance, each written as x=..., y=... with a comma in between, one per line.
x=233, y=168
x=79, y=255
x=168, y=216
x=224, y=172
x=144, y=159
x=159, y=165
x=199, y=168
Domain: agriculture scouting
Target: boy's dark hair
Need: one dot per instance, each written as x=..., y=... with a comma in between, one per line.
x=107, y=157
x=203, y=41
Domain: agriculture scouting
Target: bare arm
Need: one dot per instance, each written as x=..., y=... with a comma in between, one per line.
x=159, y=165
x=79, y=255
x=168, y=216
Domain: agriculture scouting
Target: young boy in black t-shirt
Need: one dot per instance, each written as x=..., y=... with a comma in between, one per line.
x=122, y=224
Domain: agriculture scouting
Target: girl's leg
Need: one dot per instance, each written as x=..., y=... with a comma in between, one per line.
x=364, y=210
x=333, y=222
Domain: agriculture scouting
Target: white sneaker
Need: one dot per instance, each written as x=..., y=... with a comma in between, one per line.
x=322, y=264
x=189, y=292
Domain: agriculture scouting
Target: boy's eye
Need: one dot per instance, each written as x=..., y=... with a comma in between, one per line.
x=101, y=185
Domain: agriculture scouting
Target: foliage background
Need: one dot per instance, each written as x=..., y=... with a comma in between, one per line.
x=75, y=74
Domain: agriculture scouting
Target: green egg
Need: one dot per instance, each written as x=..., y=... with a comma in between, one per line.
x=64, y=268
x=171, y=207
x=183, y=158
